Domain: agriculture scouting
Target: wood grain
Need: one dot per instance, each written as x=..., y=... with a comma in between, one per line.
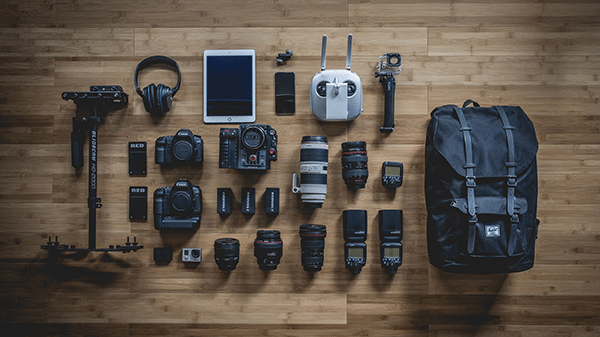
x=540, y=55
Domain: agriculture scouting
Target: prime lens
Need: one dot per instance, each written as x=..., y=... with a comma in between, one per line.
x=312, y=241
x=354, y=164
x=227, y=253
x=314, y=153
x=268, y=249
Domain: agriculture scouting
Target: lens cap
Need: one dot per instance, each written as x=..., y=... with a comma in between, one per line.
x=181, y=201
x=253, y=137
x=183, y=150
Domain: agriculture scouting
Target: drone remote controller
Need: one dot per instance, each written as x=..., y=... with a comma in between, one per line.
x=336, y=95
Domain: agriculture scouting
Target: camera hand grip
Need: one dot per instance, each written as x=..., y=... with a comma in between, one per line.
x=389, y=86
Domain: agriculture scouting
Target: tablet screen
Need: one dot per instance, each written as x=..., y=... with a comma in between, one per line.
x=229, y=87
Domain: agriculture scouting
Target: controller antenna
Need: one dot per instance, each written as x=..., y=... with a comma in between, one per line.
x=323, y=52
x=349, y=52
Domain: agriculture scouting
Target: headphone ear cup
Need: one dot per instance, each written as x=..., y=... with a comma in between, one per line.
x=152, y=99
x=164, y=99
x=146, y=99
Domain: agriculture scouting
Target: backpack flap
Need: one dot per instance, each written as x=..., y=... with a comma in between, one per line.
x=490, y=149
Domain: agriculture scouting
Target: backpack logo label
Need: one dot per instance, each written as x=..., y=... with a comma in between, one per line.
x=492, y=231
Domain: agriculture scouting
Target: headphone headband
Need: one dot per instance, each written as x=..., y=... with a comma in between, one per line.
x=152, y=60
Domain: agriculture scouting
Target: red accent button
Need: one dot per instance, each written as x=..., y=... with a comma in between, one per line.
x=252, y=157
x=271, y=151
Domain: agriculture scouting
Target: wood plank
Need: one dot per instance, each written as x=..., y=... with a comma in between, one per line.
x=500, y=70
x=16, y=13
x=286, y=13
x=22, y=307
x=472, y=310
x=544, y=100
x=66, y=42
x=27, y=71
x=305, y=42
x=68, y=276
x=388, y=13
x=44, y=329
x=225, y=308
x=543, y=279
x=234, y=330
x=60, y=217
x=35, y=188
x=568, y=219
x=16, y=100
x=511, y=330
x=566, y=249
x=26, y=130
x=497, y=41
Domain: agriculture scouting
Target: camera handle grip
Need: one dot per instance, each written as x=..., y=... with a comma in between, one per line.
x=389, y=86
x=77, y=139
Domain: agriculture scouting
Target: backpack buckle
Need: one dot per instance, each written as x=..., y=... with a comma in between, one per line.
x=512, y=181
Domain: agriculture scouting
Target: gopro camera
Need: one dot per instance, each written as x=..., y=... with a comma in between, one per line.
x=191, y=255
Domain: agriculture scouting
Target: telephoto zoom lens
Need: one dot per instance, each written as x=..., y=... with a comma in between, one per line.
x=354, y=164
x=312, y=185
x=312, y=241
x=268, y=249
x=227, y=253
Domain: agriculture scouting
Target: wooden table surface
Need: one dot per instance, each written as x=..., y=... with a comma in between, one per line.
x=541, y=55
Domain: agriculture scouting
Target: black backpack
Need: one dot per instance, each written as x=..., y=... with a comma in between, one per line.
x=481, y=189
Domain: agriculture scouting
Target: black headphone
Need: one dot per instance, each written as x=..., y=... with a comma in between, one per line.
x=157, y=99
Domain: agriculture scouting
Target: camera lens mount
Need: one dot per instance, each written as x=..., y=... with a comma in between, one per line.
x=253, y=137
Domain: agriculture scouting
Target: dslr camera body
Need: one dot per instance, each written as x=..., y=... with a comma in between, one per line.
x=178, y=207
x=183, y=148
x=251, y=147
x=336, y=94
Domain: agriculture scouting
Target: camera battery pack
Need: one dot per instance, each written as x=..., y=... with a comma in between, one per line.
x=248, y=200
x=137, y=158
x=138, y=202
x=272, y=201
x=224, y=196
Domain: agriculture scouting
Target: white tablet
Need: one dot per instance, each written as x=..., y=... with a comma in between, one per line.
x=230, y=86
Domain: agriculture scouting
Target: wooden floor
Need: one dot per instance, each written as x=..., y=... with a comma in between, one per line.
x=541, y=55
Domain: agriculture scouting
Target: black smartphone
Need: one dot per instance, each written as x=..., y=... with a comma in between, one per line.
x=285, y=93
